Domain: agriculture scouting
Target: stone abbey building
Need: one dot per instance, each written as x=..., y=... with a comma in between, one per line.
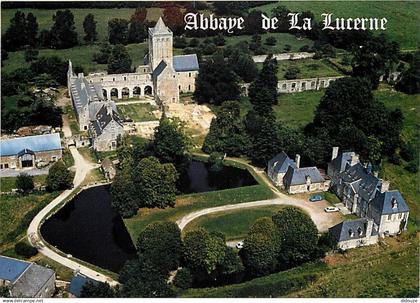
x=163, y=76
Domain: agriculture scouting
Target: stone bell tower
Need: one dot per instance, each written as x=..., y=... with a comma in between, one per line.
x=160, y=44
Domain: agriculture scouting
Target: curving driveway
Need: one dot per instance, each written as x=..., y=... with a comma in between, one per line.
x=82, y=168
x=315, y=210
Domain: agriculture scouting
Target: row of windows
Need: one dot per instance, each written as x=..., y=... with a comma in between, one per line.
x=284, y=86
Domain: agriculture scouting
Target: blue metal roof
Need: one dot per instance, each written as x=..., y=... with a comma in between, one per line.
x=185, y=63
x=11, y=269
x=40, y=143
x=77, y=283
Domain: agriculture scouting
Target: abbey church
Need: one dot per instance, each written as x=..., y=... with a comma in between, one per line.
x=163, y=76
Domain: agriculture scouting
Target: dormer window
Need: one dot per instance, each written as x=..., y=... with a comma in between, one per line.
x=394, y=203
x=359, y=231
x=351, y=233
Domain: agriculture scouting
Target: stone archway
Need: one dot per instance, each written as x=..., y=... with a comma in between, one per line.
x=114, y=93
x=136, y=91
x=148, y=90
x=105, y=93
x=125, y=93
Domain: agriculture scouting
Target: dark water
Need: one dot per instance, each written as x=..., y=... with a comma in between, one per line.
x=91, y=230
x=200, y=178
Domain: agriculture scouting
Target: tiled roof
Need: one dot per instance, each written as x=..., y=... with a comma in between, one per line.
x=280, y=163
x=389, y=202
x=32, y=281
x=297, y=176
x=11, y=269
x=349, y=230
x=39, y=143
x=185, y=63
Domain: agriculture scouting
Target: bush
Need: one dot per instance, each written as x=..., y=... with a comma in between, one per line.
x=408, y=151
x=194, y=42
x=180, y=42
x=395, y=159
x=270, y=41
x=25, y=250
x=412, y=167
x=183, y=278
x=305, y=48
x=287, y=48
x=292, y=73
x=59, y=177
x=24, y=182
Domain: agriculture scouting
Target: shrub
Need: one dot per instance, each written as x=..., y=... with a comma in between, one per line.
x=270, y=41
x=59, y=177
x=183, y=278
x=292, y=73
x=287, y=48
x=395, y=159
x=25, y=250
x=194, y=42
x=412, y=167
x=180, y=42
x=24, y=182
x=305, y=48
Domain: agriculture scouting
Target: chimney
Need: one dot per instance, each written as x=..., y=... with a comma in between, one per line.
x=297, y=160
x=384, y=186
x=369, y=227
x=334, y=153
x=354, y=159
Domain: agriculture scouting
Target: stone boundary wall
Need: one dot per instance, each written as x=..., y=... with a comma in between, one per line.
x=284, y=56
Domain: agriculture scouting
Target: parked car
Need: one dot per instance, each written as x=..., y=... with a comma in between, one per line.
x=331, y=209
x=315, y=198
x=240, y=245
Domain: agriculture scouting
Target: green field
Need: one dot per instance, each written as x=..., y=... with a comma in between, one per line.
x=7, y=184
x=389, y=270
x=137, y=112
x=233, y=224
x=403, y=16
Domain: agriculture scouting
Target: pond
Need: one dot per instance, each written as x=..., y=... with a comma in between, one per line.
x=89, y=228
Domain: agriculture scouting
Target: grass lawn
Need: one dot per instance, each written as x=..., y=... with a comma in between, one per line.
x=233, y=224
x=385, y=270
x=8, y=183
x=16, y=212
x=297, y=109
x=309, y=68
x=137, y=112
x=403, y=17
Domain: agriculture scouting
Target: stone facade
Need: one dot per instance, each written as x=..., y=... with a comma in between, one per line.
x=354, y=233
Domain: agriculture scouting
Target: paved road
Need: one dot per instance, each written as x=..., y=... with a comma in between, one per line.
x=82, y=168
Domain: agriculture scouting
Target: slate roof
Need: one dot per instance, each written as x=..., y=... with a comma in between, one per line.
x=77, y=283
x=341, y=231
x=94, y=108
x=280, y=163
x=160, y=68
x=32, y=280
x=103, y=118
x=383, y=203
x=10, y=147
x=84, y=92
x=340, y=162
x=11, y=269
x=363, y=183
x=297, y=176
x=185, y=63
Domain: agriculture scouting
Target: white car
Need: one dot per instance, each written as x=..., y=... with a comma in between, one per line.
x=331, y=209
x=240, y=245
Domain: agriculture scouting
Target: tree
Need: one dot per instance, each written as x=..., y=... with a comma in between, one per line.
x=267, y=77
x=31, y=30
x=54, y=66
x=123, y=194
x=118, y=31
x=243, y=65
x=4, y=292
x=15, y=35
x=160, y=244
x=119, y=60
x=45, y=38
x=292, y=73
x=155, y=183
x=63, y=32
x=174, y=19
x=137, y=30
x=183, y=278
x=59, y=177
x=104, y=53
x=298, y=236
x=216, y=82
x=256, y=45
x=25, y=250
x=261, y=248
x=30, y=54
x=24, y=182
x=227, y=133
x=374, y=57
x=271, y=40
x=219, y=40
x=89, y=27
x=171, y=143
x=409, y=82
x=203, y=251
x=97, y=290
